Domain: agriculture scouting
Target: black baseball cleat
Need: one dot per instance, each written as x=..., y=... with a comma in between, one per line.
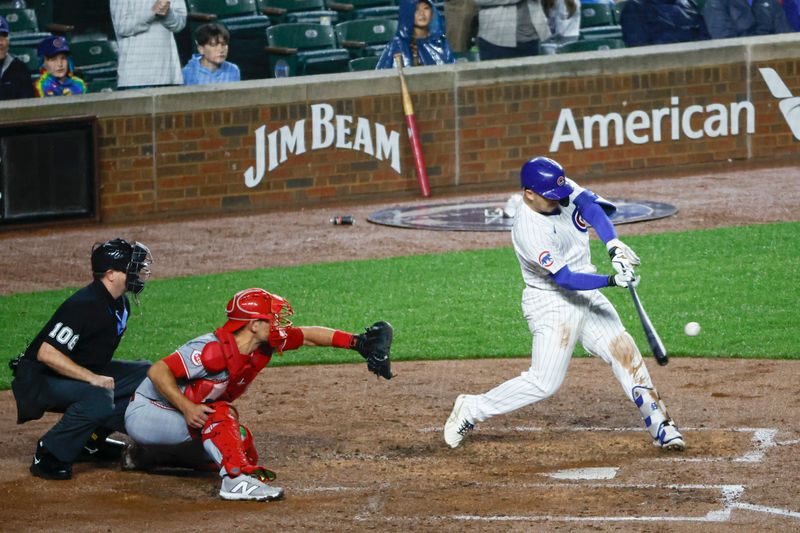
x=46, y=466
x=101, y=450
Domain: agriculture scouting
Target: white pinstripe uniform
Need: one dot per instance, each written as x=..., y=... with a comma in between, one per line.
x=559, y=318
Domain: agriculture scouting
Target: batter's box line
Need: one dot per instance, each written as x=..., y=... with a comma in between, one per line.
x=763, y=439
x=730, y=495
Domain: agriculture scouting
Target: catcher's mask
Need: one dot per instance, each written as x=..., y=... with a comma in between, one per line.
x=258, y=304
x=132, y=259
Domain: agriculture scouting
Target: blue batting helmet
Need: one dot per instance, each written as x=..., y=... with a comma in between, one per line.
x=545, y=177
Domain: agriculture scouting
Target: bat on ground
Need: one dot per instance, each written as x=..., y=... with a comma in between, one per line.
x=659, y=351
x=413, y=133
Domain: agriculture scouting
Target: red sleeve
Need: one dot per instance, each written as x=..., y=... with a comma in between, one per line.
x=212, y=358
x=294, y=338
x=176, y=365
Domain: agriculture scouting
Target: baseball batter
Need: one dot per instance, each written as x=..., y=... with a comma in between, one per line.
x=563, y=306
x=186, y=397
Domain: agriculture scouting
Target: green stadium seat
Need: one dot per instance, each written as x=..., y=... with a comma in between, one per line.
x=590, y=45
x=306, y=49
x=364, y=9
x=245, y=24
x=598, y=22
x=102, y=86
x=365, y=37
x=95, y=59
x=363, y=63
x=24, y=26
x=469, y=56
x=29, y=56
x=618, y=11
x=303, y=11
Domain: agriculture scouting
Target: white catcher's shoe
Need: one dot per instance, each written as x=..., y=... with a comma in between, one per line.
x=669, y=438
x=458, y=423
x=244, y=487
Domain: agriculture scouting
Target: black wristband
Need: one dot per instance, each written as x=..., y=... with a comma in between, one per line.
x=611, y=281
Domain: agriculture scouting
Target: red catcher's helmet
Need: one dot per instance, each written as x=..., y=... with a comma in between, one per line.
x=258, y=304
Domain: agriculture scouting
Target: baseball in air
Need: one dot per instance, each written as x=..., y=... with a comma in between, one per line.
x=691, y=329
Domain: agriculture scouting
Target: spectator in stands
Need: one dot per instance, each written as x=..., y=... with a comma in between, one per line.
x=647, y=22
x=462, y=21
x=148, y=54
x=15, y=79
x=420, y=37
x=564, y=19
x=56, y=77
x=210, y=65
x=792, y=10
x=740, y=18
x=510, y=29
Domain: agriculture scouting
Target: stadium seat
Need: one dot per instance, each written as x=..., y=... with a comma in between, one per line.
x=597, y=22
x=24, y=26
x=245, y=25
x=95, y=58
x=306, y=49
x=466, y=57
x=363, y=63
x=591, y=45
x=102, y=86
x=618, y=11
x=364, y=9
x=29, y=56
x=303, y=11
x=365, y=37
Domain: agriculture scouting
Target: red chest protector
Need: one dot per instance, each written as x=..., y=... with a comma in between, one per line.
x=224, y=355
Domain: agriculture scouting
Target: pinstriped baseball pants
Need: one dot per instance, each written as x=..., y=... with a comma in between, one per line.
x=558, y=320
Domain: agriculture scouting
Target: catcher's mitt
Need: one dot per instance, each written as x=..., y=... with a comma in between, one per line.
x=374, y=345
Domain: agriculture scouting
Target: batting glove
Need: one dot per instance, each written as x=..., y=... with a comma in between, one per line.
x=619, y=250
x=623, y=280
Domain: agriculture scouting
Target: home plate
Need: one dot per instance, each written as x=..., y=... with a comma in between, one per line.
x=585, y=473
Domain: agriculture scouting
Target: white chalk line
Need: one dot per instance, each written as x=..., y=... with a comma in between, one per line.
x=729, y=496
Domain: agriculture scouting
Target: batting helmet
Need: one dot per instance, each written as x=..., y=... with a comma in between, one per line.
x=118, y=254
x=258, y=304
x=545, y=177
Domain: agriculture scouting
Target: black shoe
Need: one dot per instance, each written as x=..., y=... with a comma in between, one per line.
x=105, y=450
x=46, y=466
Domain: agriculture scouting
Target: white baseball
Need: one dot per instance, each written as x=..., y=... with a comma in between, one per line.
x=691, y=329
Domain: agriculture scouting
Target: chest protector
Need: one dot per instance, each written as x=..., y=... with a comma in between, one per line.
x=223, y=355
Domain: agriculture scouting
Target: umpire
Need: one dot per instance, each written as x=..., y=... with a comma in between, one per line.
x=68, y=367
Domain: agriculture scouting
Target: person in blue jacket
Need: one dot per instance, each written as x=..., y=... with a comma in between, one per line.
x=741, y=18
x=420, y=37
x=647, y=22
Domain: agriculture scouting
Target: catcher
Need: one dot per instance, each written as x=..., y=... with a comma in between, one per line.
x=181, y=414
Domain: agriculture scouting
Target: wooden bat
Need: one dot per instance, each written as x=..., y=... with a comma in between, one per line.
x=413, y=133
x=659, y=351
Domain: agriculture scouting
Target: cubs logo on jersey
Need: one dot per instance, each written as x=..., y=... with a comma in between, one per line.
x=578, y=221
x=546, y=259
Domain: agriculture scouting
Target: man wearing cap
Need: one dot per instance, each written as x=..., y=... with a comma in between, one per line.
x=68, y=367
x=15, y=79
x=56, y=77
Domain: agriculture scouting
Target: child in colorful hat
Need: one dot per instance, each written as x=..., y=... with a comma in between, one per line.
x=57, y=77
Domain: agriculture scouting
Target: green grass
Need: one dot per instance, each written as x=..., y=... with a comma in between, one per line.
x=739, y=283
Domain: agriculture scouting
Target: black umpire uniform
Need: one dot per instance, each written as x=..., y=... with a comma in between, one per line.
x=86, y=328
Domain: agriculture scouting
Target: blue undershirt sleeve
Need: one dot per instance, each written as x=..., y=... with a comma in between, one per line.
x=595, y=216
x=578, y=281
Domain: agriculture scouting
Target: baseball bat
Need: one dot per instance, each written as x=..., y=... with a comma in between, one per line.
x=659, y=351
x=413, y=133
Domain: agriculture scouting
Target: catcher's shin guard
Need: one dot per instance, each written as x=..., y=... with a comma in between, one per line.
x=223, y=440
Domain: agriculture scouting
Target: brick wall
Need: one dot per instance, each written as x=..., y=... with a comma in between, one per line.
x=185, y=151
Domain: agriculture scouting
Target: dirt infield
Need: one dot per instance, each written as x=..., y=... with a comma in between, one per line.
x=355, y=453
